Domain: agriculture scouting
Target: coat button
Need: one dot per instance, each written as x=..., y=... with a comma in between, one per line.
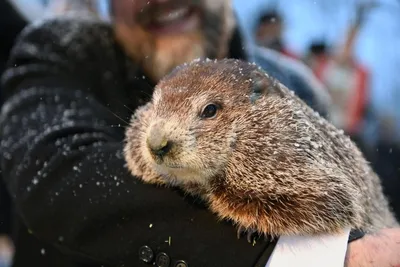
x=181, y=264
x=162, y=260
x=146, y=254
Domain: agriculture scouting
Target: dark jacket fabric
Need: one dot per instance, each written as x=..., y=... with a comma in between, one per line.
x=11, y=23
x=69, y=92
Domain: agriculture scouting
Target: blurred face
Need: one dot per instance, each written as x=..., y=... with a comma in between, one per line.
x=161, y=34
x=269, y=34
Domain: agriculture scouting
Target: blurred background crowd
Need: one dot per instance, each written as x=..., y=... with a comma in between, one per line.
x=352, y=46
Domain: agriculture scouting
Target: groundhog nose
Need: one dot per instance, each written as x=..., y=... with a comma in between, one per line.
x=163, y=149
x=159, y=146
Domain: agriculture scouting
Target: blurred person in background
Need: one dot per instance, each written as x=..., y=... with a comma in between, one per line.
x=316, y=55
x=377, y=48
x=269, y=29
x=346, y=79
x=70, y=88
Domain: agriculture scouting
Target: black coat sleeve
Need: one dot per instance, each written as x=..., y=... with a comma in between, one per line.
x=62, y=161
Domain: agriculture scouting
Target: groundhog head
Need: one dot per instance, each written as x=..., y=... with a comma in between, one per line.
x=195, y=113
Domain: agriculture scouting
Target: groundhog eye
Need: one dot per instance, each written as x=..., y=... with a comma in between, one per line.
x=209, y=111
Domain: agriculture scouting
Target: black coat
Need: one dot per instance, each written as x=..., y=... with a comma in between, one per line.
x=69, y=92
x=11, y=23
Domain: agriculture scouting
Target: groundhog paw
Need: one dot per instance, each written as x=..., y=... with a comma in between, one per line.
x=250, y=233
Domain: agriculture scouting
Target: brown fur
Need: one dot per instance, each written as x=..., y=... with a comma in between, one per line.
x=266, y=161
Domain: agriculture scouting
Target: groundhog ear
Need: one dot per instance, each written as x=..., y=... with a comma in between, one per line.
x=262, y=85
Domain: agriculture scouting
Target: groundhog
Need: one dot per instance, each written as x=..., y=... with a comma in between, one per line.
x=229, y=133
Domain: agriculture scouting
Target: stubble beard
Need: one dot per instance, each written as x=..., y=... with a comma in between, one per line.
x=160, y=55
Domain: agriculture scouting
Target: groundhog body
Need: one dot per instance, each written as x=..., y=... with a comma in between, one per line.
x=257, y=154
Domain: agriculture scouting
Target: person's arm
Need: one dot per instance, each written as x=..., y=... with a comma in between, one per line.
x=63, y=165
x=381, y=249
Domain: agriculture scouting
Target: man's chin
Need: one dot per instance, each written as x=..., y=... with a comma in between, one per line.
x=158, y=54
x=170, y=51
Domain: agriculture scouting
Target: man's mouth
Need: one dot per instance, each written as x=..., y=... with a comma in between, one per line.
x=170, y=18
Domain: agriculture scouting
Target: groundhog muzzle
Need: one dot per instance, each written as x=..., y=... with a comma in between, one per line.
x=257, y=154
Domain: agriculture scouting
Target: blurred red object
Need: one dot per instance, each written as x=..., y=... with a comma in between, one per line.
x=347, y=83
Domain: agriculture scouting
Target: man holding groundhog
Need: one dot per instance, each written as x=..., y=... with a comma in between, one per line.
x=70, y=90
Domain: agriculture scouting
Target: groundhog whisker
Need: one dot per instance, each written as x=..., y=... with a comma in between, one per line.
x=116, y=115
